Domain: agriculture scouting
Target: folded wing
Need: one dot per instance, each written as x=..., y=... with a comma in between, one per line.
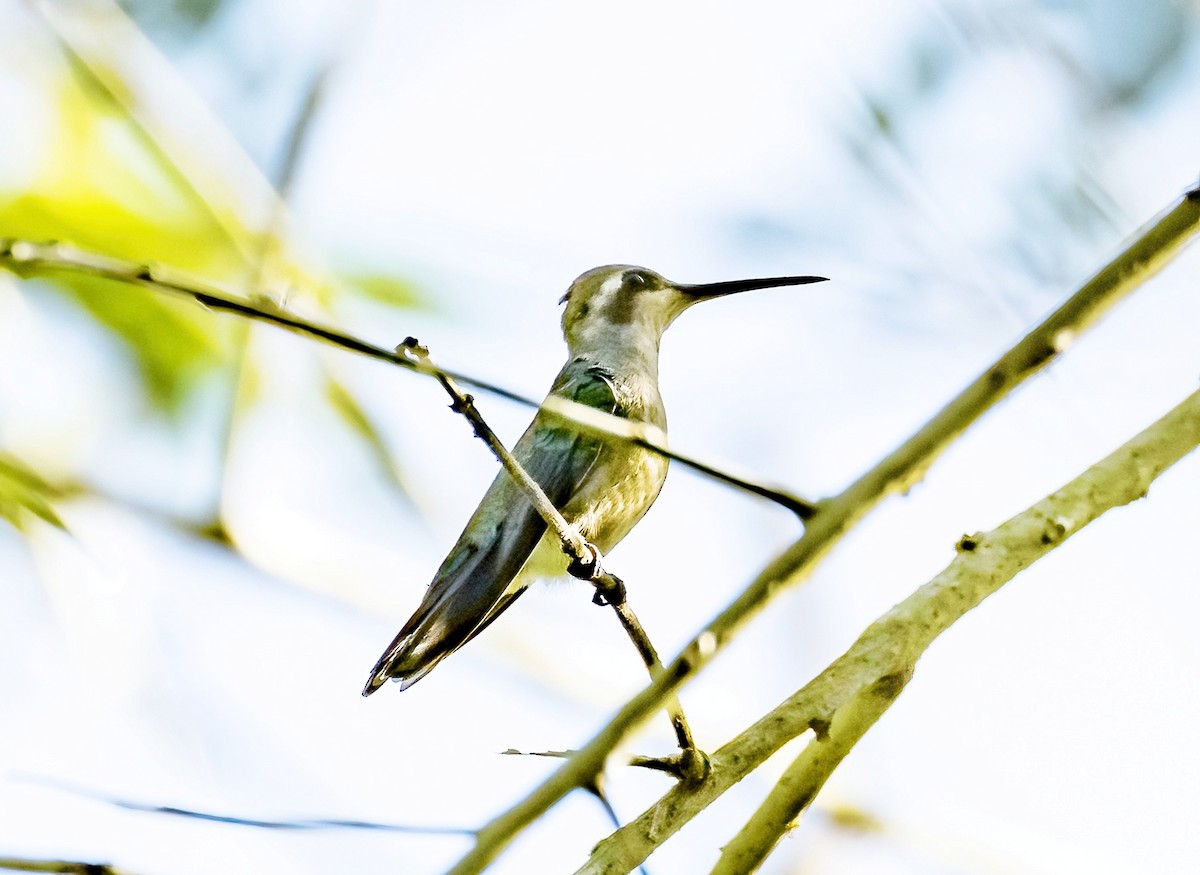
x=478, y=579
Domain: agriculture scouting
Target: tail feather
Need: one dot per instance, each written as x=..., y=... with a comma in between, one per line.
x=476, y=581
x=470, y=590
x=398, y=663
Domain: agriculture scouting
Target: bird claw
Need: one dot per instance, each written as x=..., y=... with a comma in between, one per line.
x=610, y=589
x=587, y=569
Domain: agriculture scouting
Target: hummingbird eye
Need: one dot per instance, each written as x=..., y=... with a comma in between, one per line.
x=634, y=280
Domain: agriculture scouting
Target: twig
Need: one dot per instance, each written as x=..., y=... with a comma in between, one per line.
x=690, y=764
x=903, y=467
x=574, y=545
x=651, y=437
x=25, y=257
x=796, y=789
x=299, y=825
x=670, y=765
x=63, y=867
x=597, y=790
x=848, y=696
x=585, y=559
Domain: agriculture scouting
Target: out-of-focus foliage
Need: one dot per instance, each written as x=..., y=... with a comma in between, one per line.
x=23, y=493
x=390, y=290
x=177, y=16
x=100, y=187
x=104, y=184
x=352, y=413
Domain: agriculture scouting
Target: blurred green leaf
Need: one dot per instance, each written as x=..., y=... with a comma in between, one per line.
x=23, y=492
x=174, y=343
x=385, y=289
x=181, y=15
x=100, y=189
x=352, y=414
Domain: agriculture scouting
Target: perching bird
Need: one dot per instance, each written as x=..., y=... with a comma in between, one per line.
x=613, y=322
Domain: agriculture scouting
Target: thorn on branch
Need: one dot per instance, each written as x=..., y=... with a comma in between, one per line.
x=557, y=754
x=690, y=766
x=967, y=544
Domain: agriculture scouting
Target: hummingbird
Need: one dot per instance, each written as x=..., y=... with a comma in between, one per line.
x=613, y=323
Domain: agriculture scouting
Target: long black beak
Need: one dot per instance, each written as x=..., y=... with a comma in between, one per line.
x=716, y=290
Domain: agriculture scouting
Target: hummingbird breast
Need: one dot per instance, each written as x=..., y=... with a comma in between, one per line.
x=626, y=479
x=621, y=488
x=621, y=482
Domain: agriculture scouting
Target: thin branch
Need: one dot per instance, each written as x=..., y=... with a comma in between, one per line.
x=690, y=765
x=585, y=558
x=653, y=764
x=651, y=437
x=293, y=147
x=902, y=468
x=796, y=789
x=62, y=867
x=298, y=825
x=841, y=703
x=574, y=544
x=27, y=258
x=597, y=790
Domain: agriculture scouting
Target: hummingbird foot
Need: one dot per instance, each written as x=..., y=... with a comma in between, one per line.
x=586, y=567
x=610, y=589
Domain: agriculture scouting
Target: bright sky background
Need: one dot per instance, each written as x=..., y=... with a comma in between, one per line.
x=955, y=168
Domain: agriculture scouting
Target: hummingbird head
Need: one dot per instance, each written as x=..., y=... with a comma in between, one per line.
x=622, y=305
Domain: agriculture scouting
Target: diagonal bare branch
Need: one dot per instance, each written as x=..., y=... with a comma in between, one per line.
x=842, y=702
x=1146, y=253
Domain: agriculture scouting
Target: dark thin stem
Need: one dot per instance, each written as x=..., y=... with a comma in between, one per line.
x=299, y=825
x=1150, y=249
x=578, y=550
x=25, y=257
x=691, y=765
x=62, y=867
x=585, y=559
x=597, y=789
x=637, y=634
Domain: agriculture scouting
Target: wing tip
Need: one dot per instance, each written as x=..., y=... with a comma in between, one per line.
x=391, y=667
x=381, y=677
x=374, y=682
x=385, y=667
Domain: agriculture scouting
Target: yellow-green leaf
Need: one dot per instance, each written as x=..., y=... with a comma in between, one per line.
x=386, y=289
x=352, y=414
x=23, y=492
